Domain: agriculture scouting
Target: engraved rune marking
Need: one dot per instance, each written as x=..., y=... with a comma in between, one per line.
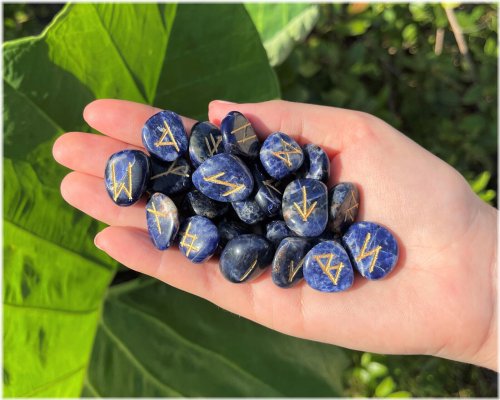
x=348, y=211
x=243, y=137
x=249, y=271
x=269, y=184
x=292, y=272
x=167, y=132
x=189, y=246
x=327, y=267
x=234, y=186
x=284, y=155
x=304, y=211
x=181, y=170
x=157, y=214
x=118, y=188
x=374, y=252
x=215, y=144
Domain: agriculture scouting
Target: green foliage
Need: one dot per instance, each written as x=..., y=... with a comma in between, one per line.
x=479, y=185
x=281, y=25
x=380, y=58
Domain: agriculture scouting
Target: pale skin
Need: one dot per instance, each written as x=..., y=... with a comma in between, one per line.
x=440, y=299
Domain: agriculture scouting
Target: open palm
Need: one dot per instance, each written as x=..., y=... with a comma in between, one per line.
x=440, y=299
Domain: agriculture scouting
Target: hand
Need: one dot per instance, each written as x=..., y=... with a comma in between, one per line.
x=441, y=297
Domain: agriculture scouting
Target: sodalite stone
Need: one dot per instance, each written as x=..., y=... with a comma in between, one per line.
x=239, y=136
x=276, y=231
x=170, y=177
x=205, y=141
x=224, y=177
x=248, y=211
x=245, y=257
x=197, y=203
x=305, y=207
x=198, y=239
x=162, y=220
x=280, y=155
x=343, y=200
x=288, y=261
x=164, y=136
x=316, y=163
x=268, y=195
x=126, y=176
x=372, y=248
x=229, y=229
x=327, y=268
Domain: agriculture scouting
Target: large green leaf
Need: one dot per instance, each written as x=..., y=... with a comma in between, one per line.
x=154, y=340
x=281, y=25
x=54, y=279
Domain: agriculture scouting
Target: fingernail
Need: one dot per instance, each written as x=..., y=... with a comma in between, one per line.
x=225, y=102
x=96, y=242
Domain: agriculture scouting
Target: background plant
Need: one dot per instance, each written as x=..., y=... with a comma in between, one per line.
x=64, y=326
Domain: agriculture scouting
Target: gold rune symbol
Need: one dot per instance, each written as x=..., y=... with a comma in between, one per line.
x=118, y=189
x=166, y=131
x=304, y=212
x=249, y=270
x=245, y=137
x=284, y=155
x=374, y=252
x=352, y=207
x=215, y=144
x=234, y=186
x=181, y=170
x=327, y=268
x=189, y=246
x=292, y=272
x=157, y=214
x=269, y=184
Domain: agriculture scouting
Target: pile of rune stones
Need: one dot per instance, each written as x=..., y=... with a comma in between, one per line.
x=253, y=204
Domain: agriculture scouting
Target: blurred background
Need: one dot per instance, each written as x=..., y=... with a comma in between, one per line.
x=428, y=70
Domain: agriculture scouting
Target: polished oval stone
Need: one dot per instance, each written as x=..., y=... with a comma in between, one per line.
x=280, y=155
x=239, y=136
x=229, y=229
x=248, y=211
x=126, y=176
x=316, y=163
x=170, y=177
x=197, y=203
x=288, y=261
x=327, y=268
x=245, y=257
x=205, y=141
x=343, y=200
x=268, y=195
x=198, y=239
x=162, y=219
x=224, y=177
x=305, y=207
x=276, y=231
x=373, y=249
x=164, y=136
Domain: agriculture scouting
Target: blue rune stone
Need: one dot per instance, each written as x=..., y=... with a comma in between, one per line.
x=239, y=136
x=373, y=249
x=229, y=229
x=126, y=176
x=248, y=211
x=245, y=257
x=170, y=177
x=343, y=200
x=280, y=155
x=276, y=231
x=268, y=195
x=197, y=203
x=224, y=177
x=164, y=136
x=316, y=163
x=288, y=261
x=162, y=219
x=327, y=268
x=305, y=207
x=205, y=141
x=198, y=239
